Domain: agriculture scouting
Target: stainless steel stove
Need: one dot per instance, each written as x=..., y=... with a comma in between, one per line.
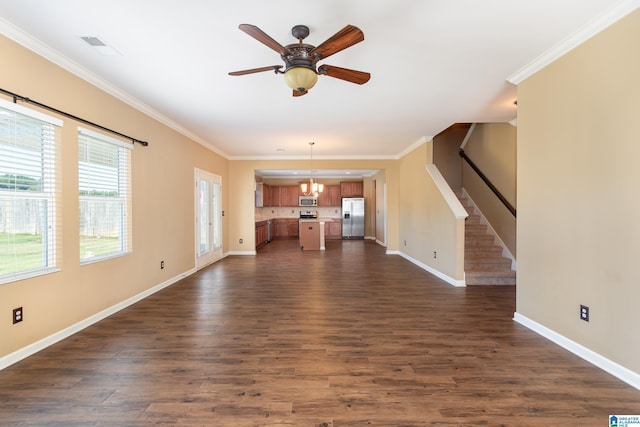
x=308, y=214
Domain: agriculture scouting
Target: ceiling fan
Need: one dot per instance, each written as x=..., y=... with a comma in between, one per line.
x=300, y=59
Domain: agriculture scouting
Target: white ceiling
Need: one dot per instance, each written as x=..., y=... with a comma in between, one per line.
x=432, y=63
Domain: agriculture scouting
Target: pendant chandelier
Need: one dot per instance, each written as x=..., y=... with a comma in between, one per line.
x=311, y=188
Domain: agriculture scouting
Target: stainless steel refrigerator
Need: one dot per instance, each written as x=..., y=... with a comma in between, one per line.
x=353, y=218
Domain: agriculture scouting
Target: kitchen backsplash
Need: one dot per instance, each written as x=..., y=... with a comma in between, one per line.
x=271, y=212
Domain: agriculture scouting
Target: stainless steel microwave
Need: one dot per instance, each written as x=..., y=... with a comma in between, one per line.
x=307, y=201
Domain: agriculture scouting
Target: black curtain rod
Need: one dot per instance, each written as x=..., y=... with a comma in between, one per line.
x=17, y=98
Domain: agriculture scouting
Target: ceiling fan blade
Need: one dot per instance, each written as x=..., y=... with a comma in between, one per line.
x=348, y=36
x=256, y=70
x=353, y=76
x=263, y=38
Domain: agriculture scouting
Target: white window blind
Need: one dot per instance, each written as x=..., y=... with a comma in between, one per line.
x=104, y=180
x=30, y=221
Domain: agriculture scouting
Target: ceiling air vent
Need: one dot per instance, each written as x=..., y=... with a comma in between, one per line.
x=98, y=44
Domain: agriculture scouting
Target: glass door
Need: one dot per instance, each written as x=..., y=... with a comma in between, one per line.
x=208, y=208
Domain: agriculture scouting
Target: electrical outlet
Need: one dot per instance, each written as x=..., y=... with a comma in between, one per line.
x=18, y=315
x=435, y=254
x=584, y=313
x=161, y=265
x=240, y=241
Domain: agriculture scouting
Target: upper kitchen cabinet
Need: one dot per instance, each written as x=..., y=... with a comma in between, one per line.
x=289, y=195
x=351, y=189
x=271, y=195
x=330, y=196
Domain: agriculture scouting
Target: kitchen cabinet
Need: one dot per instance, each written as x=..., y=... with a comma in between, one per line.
x=292, y=227
x=333, y=229
x=284, y=227
x=323, y=198
x=279, y=195
x=280, y=227
x=289, y=195
x=335, y=196
x=267, y=195
x=330, y=196
x=270, y=195
x=262, y=233
x=351, y=189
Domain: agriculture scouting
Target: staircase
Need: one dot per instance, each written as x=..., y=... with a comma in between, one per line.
x=483, y=260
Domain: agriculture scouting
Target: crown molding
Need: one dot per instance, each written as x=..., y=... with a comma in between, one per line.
x=33, y=44
x=302, y=157
x=418, y=143
x=617, y=12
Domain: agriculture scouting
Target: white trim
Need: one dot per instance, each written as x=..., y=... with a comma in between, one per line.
x=416, y=144
x=467, y=136
x=617, y=12
x=449, y=196
x=30, y=113
x=224, y=255
x=216, y=254
x=95, y=259
x=618, y=371
x=438, y=274
x=37, y=346
x=242, y=253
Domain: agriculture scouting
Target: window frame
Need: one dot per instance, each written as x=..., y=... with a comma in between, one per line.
x=51, y=222
x=123, y=198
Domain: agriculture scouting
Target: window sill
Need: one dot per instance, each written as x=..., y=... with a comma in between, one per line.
x=93, y=260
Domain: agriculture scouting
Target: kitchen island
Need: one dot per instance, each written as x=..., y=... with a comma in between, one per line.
x=311, y=234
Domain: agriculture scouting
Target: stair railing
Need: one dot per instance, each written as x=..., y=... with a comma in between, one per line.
x=486, y=180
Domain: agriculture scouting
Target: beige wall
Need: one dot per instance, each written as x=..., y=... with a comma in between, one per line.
x=446, y=154
x=492, y=147
x=427, y=223
x=163, y=206
x=578, y=210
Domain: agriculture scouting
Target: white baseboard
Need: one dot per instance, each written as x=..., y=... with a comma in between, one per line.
x=618, y=371
x=31, y=349
x=440, y=275
x=242, y=253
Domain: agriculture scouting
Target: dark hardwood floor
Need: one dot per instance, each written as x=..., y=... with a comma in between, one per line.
x=346, y=337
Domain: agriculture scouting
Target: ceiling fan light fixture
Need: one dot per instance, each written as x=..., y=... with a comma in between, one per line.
x=300, y=79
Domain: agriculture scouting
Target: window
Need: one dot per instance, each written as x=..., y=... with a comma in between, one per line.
x=104, y=180
x=29, y=190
